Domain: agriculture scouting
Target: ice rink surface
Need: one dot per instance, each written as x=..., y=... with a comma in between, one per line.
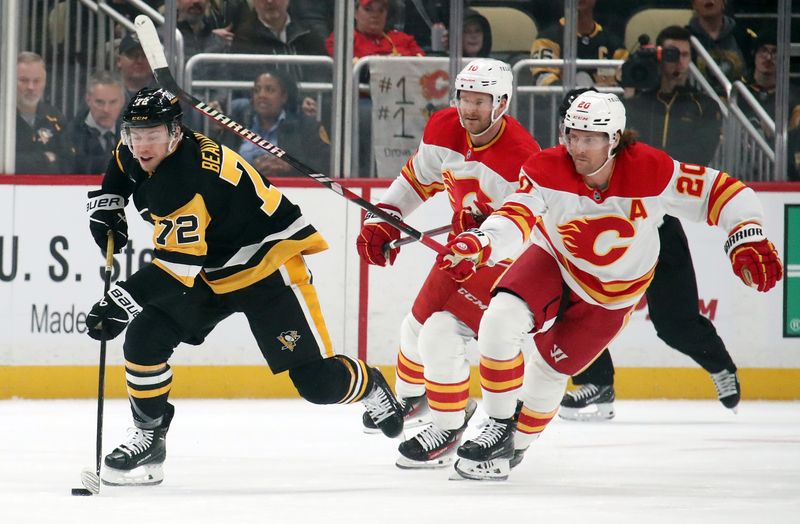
x=286, y=461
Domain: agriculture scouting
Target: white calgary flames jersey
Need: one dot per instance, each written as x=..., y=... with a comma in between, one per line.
x=606, y=242
x=479, y=178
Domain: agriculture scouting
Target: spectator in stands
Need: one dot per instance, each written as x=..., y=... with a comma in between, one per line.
x=676, y=118
x=422, y=19
x=133, y=66
x=763, y=80
x=727, y=42
x=476, y=36
x=95, y=131
x=268, y=29
x=316, y=15
x=204, y=30
x=273, y=113
x=593, y=43
x=371, y=37
x=43, y=145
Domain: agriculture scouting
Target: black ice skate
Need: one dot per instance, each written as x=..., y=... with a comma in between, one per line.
x=139, y=460
x=728, y=390
x=415, y=413
x=588, y=403
x=433, y=447
x=488, y=456
x=382, y=406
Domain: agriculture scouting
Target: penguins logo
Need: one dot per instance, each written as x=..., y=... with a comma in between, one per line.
x=289, y=339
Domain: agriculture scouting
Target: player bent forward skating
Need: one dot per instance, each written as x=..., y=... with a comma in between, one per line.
x=591, y=209
x=225, y=241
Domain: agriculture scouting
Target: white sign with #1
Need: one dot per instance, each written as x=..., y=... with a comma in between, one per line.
x=404, y=95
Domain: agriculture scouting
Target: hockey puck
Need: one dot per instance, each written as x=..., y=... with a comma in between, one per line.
x=81, y=492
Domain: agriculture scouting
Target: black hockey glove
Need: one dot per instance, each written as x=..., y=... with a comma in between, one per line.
x=112, y=313
x=107, y=212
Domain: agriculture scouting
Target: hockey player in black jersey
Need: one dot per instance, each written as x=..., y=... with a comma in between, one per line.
x=225, y=241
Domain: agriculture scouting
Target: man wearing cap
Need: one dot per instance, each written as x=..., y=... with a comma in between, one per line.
x=763, y=80
x=132, y=65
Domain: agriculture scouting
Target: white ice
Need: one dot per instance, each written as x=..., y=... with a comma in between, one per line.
x=286, y=461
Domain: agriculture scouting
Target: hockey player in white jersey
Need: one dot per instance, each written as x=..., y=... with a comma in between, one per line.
x=474, y=151
x=591, y=209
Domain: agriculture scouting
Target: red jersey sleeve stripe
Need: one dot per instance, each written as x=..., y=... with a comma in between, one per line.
x=723, y=190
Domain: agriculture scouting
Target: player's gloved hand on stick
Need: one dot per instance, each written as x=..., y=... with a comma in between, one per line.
x=468, y=251
x=467, y=218
x=375, y=234
x=107, y=213
x=112, y=313
x=754, y=258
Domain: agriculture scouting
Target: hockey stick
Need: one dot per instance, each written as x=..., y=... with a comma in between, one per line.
x=154, y=52
x=91, y=479
x=408, y=240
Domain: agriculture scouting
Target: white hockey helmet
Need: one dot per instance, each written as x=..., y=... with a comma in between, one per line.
x=486, y=75
x=601, y=112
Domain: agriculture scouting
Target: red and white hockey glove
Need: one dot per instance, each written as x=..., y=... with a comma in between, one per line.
x=374, y=237
x=467, y=218
x=468, y=251
x=754, y=258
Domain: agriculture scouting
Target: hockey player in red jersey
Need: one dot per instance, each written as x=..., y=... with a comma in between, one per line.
x=474, y=151
x=591, y=210
x=225, y=241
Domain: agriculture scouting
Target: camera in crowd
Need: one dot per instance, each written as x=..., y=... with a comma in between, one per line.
x=641, y=69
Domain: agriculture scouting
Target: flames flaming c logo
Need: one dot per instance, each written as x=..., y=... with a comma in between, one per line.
x=580, y=238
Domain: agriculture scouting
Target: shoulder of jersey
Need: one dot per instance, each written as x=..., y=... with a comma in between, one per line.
x=444, y=129
x=642, y=171
x=552, y=168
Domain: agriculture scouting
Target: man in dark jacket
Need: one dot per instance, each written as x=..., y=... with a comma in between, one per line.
x=95, y=131
x=727, y=42
x=268, y=29
x=43, y=146
x=664, y=118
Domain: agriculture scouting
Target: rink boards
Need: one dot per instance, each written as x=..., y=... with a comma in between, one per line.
x=50, y=274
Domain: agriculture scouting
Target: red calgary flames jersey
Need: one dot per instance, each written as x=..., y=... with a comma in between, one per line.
x=606, y=241
x=479, y=178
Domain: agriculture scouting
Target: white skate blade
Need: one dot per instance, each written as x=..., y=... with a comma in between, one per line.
x=145, y=475
x=496, y=470
x=90, y=481
x=439, y=462
x=591, y=413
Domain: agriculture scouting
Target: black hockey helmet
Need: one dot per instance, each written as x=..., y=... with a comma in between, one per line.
x=152, y=107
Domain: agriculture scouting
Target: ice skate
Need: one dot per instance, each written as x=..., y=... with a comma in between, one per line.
x=488, y=456
x=382, y=406
x=728, y=390
x=588, y=403
x=139, y=460
x=519, y=454
x=433, y=447
x=415, y=413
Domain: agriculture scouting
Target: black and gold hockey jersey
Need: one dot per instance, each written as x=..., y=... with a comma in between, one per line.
x=213, y=216
x=599, y=44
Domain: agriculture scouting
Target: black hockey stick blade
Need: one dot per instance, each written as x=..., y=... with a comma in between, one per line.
x=154, y=52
